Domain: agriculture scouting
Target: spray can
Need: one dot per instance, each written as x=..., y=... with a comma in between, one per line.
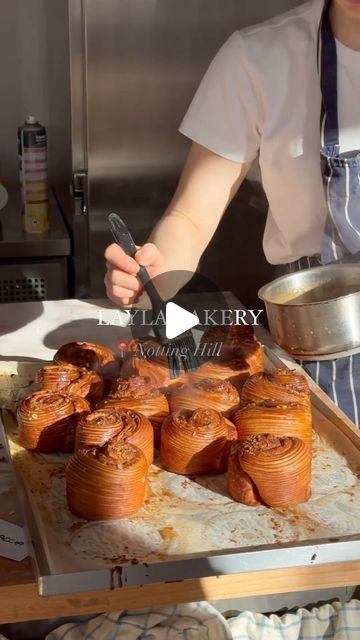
x=32, y=146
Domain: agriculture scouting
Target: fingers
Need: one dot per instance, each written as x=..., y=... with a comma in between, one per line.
x=121, y=287
x=150, y=256
x=120, y=302
x=118, y=259
x=114, y=294
x=124, y=280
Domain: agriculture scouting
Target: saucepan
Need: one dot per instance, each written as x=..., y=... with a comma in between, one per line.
x=315, y=312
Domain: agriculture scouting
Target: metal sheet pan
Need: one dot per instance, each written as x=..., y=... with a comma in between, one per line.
x=189, y=528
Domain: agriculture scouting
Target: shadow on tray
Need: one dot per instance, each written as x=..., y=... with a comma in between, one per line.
x=87, y=329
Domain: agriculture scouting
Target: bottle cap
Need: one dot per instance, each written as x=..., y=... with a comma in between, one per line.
x=31, y=120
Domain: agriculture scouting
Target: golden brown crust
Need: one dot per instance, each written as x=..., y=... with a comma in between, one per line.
x=278, y=419
x=139, y=394
x=107, y=482
x=276, y=469
x=86, y=354
x=253, y=354
x=47, y=421
x=237, y=341
x=231, y=335
x=147, y=357
x=232, y=431
x=156, y=372
x=72, y=380
x=195, y=442
x=206, y=393
x=239, y=485
x=137, y=387
x=102, y=425
x=234, y=369
x=282, y=385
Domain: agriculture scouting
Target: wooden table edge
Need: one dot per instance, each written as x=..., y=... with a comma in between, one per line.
x=22, y=602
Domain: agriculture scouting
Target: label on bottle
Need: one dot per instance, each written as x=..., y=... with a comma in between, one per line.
x=34, y=179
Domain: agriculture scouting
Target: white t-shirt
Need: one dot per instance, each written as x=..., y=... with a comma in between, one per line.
x=261, y=94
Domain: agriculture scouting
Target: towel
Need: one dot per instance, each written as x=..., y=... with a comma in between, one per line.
x=201, y=621
x=329, y=622
x=194, y=621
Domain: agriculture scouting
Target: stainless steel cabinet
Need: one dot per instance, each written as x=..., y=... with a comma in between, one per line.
x=135, y=65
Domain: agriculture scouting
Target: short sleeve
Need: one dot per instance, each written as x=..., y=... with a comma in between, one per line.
x=224, y=115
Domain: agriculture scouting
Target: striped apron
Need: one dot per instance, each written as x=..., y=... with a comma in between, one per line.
x=339, y=378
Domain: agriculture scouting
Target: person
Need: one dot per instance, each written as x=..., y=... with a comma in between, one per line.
x=287, y=91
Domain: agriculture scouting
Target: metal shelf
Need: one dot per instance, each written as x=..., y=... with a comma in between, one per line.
x=16, y=243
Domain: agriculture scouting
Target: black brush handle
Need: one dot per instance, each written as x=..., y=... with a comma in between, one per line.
x=123, y=238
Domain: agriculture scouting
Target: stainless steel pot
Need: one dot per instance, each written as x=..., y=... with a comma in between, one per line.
x=315, y=311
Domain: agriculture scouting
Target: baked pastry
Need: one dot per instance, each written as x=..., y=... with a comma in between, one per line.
x=230, y=336
x=89, y=355
x=138, y=393
x=282, y=385
x=232, y=431
x=275, y=471
x=206, y=393
x=107, y=482
x=147, y=357
x=47, y=421
x=237, y=340
x=234, y=369
x=98, y=427
x=72, y=380
x=132, y=387
x=253, y=354
x=195, y=442
x=278, y=419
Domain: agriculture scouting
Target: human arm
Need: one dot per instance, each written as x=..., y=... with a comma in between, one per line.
x=207, y=185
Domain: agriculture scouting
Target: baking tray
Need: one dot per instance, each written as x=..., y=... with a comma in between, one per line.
x=189, y=528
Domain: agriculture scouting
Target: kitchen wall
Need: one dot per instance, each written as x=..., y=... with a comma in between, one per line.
x=34, y=80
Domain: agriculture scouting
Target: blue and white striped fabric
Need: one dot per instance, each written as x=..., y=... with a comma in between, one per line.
x=340, y=171
x=201, y=621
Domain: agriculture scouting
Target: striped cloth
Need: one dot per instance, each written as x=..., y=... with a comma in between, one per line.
x=201, y=621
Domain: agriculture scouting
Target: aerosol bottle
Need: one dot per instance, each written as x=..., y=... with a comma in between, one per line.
x=32, y=145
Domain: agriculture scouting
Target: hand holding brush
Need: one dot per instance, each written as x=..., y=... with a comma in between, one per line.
x=184, y=344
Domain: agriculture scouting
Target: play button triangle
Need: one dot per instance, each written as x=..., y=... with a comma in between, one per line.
x=178, y=320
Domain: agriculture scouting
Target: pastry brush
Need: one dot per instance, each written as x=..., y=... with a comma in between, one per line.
x=181, y=350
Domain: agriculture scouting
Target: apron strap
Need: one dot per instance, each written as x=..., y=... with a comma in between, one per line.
x=327, y=67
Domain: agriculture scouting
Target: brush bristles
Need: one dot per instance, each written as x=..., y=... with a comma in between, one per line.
x=174, y=362
x=185, y=346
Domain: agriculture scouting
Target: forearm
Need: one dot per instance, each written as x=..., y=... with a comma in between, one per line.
x=181, y=240
x=207, y=185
